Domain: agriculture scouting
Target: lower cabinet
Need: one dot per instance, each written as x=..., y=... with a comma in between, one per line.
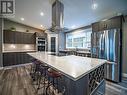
x=10, y=59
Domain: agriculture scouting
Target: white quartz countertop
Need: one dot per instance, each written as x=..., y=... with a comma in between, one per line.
x=71, y=66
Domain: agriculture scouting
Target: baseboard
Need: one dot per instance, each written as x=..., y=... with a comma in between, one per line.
x=124, y=75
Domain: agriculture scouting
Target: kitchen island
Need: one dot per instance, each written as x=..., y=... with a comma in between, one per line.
x=82, y=75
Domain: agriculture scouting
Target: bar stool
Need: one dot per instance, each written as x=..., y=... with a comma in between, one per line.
x=32, y=66
x=53, y=80
x=43, y=75
x=35, y=69
x=39, y=70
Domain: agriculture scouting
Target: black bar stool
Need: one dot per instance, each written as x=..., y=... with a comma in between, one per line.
x=43, y=75
x=54, y=77
x=39, y=73
x=35, y=69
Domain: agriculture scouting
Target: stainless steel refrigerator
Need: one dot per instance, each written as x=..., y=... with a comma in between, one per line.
x=107, y=45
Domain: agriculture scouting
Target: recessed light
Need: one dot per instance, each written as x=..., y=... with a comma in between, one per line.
x=41, y=25
x=94, y=6
x=42, y=14
x=22, y=19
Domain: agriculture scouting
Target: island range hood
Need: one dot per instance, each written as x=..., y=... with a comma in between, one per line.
x=56, y=32
x=57, y=16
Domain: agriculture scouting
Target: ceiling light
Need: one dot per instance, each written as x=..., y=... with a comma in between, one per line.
x=41, y=25
x=42, y=14
x=22, y=19
x=94, y=6
x=73, y=26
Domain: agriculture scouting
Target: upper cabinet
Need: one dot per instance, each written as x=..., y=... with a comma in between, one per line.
x=95, y=26
x=41, y=34
x=9, y=37
x=29, y=38
x=115, y=22
x=14, y=37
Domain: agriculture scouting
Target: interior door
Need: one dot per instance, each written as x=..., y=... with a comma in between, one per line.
x=53, y=44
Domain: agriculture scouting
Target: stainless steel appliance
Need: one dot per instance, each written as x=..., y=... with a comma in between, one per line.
x=107, y=45
x=41, y=44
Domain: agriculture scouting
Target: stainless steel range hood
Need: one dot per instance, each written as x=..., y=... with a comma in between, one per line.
x=57, y=16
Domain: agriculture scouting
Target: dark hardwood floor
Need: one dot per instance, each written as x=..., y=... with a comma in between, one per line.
x=17, y=81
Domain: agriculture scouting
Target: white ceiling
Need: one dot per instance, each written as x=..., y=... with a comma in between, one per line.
x=76, y=12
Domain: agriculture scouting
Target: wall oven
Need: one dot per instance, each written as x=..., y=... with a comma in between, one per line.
x=41, y=44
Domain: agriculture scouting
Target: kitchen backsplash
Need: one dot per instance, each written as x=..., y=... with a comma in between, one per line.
x=18, y=47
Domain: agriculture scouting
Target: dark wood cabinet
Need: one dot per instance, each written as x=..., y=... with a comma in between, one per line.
x=115, y=22
x=102, y=25
x=9, y=59
x=95, y=27
x=25, y=38
x=31, y=39
x=16, y=58
x=41, y=34
x=108, y=24
x=19, y=37
x=9, y=37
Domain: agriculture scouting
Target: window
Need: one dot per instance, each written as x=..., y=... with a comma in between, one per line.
x=79, y=39
x=69, y=43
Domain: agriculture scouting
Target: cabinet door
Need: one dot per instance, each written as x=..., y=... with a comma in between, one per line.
x=31, y=38
x=18, y=38
x=24, y=38
x=22, y=58
x=5, y=60
x=102, y=25
x=109, y=24
x=9, y=36
x=27, y=60
x=18, y=58
x=95, y=27
x=116, y=22
x=9, y=59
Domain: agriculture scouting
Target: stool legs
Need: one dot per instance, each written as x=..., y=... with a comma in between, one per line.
x=54, y=82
